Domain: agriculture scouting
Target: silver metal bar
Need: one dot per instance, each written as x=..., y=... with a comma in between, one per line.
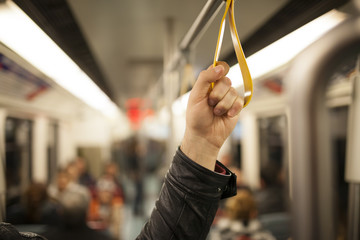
x=200, y=24
x=311, y=165
x=352, y=172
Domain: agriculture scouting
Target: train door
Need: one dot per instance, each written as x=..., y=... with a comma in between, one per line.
x=2, y=164
x=18, y=155
x=324, y=141
x=338, y=126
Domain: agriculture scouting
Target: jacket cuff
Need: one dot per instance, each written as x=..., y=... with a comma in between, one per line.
x=196, y=179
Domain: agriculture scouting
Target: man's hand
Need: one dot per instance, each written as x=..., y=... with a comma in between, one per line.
x=210, y=116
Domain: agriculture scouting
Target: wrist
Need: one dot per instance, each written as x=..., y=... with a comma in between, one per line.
x=200, y=151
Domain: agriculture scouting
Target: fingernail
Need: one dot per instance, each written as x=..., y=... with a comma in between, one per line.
x=212, y=102
x=218, y=112
x=218, y=69
x=232, y=113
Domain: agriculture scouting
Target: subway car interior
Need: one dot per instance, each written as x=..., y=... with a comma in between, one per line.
x=93, y=98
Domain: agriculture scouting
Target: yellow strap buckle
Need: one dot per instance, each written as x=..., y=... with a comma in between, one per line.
x=248, y=85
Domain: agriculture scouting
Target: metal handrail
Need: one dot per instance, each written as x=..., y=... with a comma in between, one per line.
x=205, y=17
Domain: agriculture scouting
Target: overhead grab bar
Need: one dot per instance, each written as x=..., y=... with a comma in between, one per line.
x=202, y=21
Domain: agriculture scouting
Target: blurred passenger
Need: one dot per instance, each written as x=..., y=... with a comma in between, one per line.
x=73, y=171
x=73, y=215
x=36, y=207
x=112, y=173
x=136, y=171
x=62, y=181
x=65, y=183
x=84, y=177
x=270, y=198
x=106, y=210
x=240, y=221
x=154, y=156
x=241, y=182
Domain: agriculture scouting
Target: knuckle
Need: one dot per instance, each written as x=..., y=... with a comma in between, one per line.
x=214, y=96
x=220, y=109
x=223, y=105
x=233, y=91
x=238, y=104
x=227, y=81
x=202, y=74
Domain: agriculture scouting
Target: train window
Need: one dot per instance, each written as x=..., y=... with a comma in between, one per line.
x=273, y=148
x=236, y=137
x=18, y=158
x=273, y=140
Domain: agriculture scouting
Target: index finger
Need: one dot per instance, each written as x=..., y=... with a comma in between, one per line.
x=224, y=64
x=212, y=74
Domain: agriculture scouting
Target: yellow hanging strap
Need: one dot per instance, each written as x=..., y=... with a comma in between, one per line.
x=248, y=85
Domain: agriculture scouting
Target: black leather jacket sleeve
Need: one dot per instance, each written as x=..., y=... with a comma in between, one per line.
x=188, y=201
x=9, y=232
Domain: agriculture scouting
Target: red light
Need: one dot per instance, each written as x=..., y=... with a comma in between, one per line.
x=137, y=110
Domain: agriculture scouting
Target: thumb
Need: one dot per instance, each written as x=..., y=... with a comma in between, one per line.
x=206, y=77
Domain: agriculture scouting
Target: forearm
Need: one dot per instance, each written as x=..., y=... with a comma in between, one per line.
x=188, y=201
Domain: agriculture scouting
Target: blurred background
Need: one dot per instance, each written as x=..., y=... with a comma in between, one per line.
x=93, y=97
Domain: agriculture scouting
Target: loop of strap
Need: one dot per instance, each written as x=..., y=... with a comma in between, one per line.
x=248, y=84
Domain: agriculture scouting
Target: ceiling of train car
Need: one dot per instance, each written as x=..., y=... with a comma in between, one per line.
x=120, y=44
x=127, y=37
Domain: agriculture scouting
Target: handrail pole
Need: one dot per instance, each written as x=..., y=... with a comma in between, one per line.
x=200, y=24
